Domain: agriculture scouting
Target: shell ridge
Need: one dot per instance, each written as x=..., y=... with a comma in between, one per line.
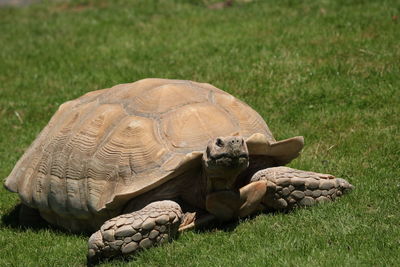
x=58, y=140
x=67, y=149
x=18, y=172
x=133, y=129
x=39, y=183
x=85, y=141
x=102, y=143
x=50, y=152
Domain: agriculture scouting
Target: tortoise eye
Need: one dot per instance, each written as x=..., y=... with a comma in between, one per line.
x=219, y=142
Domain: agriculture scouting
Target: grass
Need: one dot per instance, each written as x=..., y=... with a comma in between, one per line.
x=327, y=70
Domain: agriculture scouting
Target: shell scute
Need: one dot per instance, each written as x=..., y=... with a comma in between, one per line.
x=249, y=121
x=57, y=195
x=167, y=97
x=124, y=93
x=92, y=132
x=191, y=126
x=132, y=143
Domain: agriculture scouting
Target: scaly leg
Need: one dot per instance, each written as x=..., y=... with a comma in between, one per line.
x=288, y=188
x=123, y=235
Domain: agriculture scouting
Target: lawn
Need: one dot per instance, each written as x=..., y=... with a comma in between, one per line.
x=328, y=70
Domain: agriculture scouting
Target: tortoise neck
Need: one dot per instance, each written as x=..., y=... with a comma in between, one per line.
x=219, y=181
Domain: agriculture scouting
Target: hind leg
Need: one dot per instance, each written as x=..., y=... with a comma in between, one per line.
x=126, y=234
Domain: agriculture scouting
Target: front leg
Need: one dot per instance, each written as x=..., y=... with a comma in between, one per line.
x=126, y=234
x=288, y=188
x=227, y=205
x=252, y=196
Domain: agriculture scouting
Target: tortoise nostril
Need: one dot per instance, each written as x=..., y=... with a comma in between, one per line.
x=219, y=142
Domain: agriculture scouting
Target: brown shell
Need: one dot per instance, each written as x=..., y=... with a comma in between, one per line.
x=113, y=144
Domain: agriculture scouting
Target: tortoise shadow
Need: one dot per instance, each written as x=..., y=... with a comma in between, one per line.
x=231, y=226
x=11, y=219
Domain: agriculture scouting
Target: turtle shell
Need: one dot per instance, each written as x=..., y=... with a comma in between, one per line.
x=110, y=145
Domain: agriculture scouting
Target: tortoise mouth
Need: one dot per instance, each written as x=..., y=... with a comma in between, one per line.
x=230, y=156
x=228, y=161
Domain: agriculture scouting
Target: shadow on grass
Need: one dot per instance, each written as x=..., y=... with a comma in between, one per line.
x=11, y=219
x=231, y=226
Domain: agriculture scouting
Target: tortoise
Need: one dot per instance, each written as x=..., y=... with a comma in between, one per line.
x=137, y=163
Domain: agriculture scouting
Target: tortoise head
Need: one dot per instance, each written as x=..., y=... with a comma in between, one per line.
x=224, y=159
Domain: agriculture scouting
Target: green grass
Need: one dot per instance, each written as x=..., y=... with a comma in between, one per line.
x=327, y=70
